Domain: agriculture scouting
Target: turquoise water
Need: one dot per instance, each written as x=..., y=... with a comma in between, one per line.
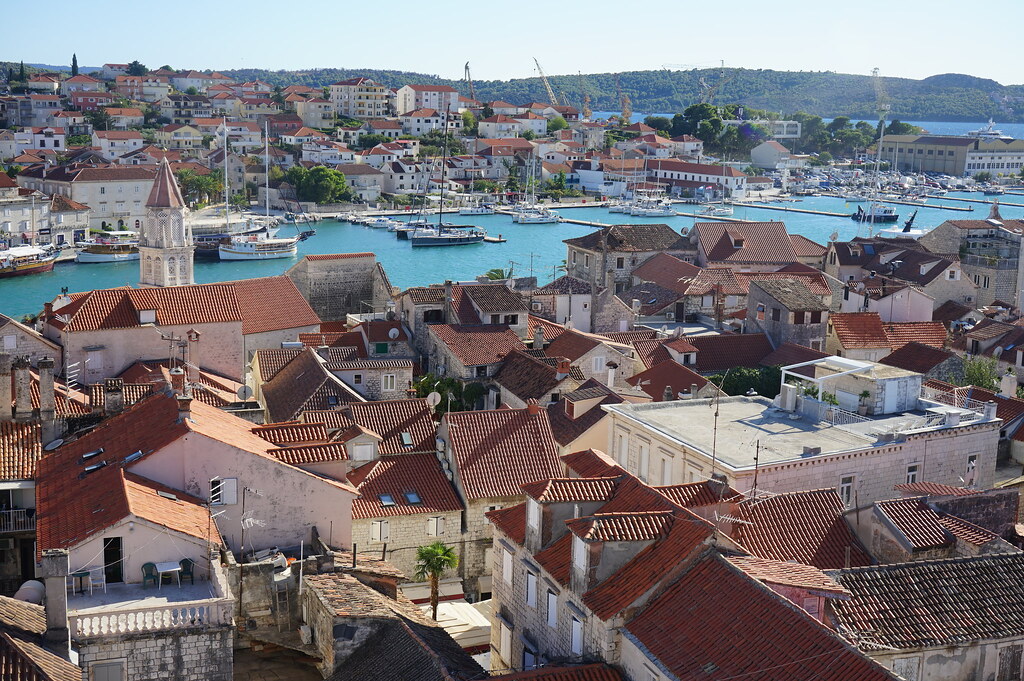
x=538, y=247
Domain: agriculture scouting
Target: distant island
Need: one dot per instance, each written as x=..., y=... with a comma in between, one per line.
x=944, y=97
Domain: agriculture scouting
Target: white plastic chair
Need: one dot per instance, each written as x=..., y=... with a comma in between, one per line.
x=97, y=577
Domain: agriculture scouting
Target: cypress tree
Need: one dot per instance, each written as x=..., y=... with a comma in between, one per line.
x=74, y=64
x=21, y=73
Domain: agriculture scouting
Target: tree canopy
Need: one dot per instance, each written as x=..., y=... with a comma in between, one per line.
x=319, y=185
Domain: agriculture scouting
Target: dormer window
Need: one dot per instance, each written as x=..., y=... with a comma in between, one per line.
x=738, y=243
x=147, y=316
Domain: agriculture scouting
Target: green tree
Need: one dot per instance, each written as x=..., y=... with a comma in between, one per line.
x=898, y=127
x=99, y=119
x=659, y=123
x=498, y=274
x=79, y=140
x=469, y=123
x=74, y=65
x=432, y=561
x=433, y=144
x=455, y=395
x=21, y=73
x=980, y=371
x=983, y=176
x=557, y=183
x=708, y=131
x=529, y=135
x=370, y=141
x=765, y=380
x=839, y=123
x=557, y=123
x=192, y=90
x=487, y=111
x=319, y=185
x=136, y=68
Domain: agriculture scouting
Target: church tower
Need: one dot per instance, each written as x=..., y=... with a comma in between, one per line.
x=165, y=241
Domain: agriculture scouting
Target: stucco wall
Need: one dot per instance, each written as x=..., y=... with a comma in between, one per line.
x=187, y=655
x=142, y=542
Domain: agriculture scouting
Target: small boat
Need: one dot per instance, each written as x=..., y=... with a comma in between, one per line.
x=257, y=248
x=718, y=211
x=479, y=209
x=109, y=246
x=534, y=216
x=650, y=207
x=379, y=223
x=906, y=232
x=456, y=235
x=876, y=213
x=19, y=260
x=992, y=190
x=616, y=206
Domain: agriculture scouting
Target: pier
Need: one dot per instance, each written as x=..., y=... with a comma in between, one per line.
x=926, y=205
x=795, y=210
x=987, y=203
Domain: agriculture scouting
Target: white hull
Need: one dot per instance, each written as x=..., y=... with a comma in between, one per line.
x=85, y=256
x=652, y=212
x=229, y=253
x=476, y=211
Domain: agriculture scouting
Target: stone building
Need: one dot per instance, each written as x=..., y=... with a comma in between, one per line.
x=339, y=284
x=491, y=454
x=165, y=239
x=787, y=312
x=607, y=257
x=907, y=432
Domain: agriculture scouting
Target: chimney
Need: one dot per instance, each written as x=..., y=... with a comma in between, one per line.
x=668, y=394
x=184, y=408
x=562, y=368
x=448, y=316
x=990, y=410
x=53, y=570
x=693, y=391
x=47, y=312
x=532, y=407
x=47, y=400
x=1008, y=385
x=6, y=398
x=113, y=396
x=193, y=355
x=178, y=380
x=538, y=337
x=635, y=307
x=22, y=389
x=612, y=366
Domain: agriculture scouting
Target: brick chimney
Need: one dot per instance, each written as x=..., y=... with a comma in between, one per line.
x=562, y=368
x=53, y=570
x=178, y=380
x=448, y=316
x=538, y=337
x=22, y=389
x=184, y=408
x=113, y=396
x=6, y=398
x=532, y=407
x=47, y=400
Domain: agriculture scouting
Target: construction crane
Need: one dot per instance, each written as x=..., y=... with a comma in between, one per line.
x=708, y=91
x=627, y=106
x=547, y=85
x=584, y=98
x=469, y=81
x=881, y=96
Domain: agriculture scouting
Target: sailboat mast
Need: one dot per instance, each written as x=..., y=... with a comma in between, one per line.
x=444, y=163
x=266, y=167
x=227, y=205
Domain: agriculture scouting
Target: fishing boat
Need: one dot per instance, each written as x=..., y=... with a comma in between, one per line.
x=876, y=213
x=992, y=190
x=19, y=260
x=258, y=247
x=109, y=246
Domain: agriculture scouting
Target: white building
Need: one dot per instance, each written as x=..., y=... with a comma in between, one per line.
x=439, y=97
x=116, y=194
x=360, y=98
x=114, y=143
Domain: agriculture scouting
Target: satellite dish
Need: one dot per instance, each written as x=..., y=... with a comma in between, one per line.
x=394, y=333
x=834, y=236
x=244, y=392
x=434, y=399
x=53, y=445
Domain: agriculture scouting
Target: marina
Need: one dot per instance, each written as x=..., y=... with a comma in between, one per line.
x=535, y=249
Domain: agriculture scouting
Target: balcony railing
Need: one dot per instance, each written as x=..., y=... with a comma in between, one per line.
x=210, y=613
x=18, y=520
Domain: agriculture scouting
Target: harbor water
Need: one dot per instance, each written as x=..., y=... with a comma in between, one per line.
x=529, y=249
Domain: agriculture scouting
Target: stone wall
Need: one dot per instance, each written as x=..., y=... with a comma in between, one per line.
x=186, y=655
x=995, y=510
x=405, y=534
x=337, y=286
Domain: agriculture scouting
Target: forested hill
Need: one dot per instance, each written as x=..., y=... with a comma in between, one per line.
x=942, y=97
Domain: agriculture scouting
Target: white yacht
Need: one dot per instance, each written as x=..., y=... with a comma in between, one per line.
x=258, y=248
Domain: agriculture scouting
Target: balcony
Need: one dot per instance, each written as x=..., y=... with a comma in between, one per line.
x=17, y=520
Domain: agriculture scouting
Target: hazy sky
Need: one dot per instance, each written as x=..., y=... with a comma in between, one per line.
x=912, y=38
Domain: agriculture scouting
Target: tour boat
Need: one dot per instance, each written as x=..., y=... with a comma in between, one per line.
x=18, y=260
x=876, y=213
x=257, y=248
x=109, y=246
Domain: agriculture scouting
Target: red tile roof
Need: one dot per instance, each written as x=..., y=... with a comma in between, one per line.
x=392, y=418
x=914, y=356
x=20, y=450
x=478, y=345
x=587, y=672
x=396, y=476
x=556, y=490
x=667, y=374
x=807, y=527
x=497, y=451
x=934, y=489
x=719, y=353
x=590, y=463
x=926, y=333
x=786, y=574
x=791, y=353
x=292, y=433
x=511, y=521
x=696, y=494
x=859, y=330
x=715, y=622
x=667, y=271
x=616, y=527
x=745, y=242
x=572, y=345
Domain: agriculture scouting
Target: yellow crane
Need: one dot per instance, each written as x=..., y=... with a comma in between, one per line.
x=547, y=85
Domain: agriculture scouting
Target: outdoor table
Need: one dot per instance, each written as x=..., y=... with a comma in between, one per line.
x=170, y=567
x=80, y=575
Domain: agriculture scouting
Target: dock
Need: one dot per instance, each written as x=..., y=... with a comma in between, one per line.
x=786, y=209
x=986, y=202
x=719, y=218
x=585, y=223
x=926, y=205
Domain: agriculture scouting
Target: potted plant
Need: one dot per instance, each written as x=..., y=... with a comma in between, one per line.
x=862, y=405
x=830, y=399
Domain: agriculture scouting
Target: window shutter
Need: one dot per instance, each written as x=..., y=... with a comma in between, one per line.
x=229, y=491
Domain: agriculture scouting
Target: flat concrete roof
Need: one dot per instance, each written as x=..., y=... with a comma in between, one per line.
x=744, y=421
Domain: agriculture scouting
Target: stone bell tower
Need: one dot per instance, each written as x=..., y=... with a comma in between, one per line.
x=165, y=241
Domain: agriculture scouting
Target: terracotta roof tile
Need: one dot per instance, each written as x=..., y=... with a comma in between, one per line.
x=558, y=490
x=393, y=418
x=667, y=271
x=311, y=454
x=399, y=476
x=639, y=238
x=927, y=333
x=497, y=451
x=478, y=345
x=696, y=494
x=718, y=353
x=590, y=463
x=617, y=527
x=668, y=374
x=587, y=672
x=745, y=242
x=914, y=356
x=859, y=330
x=743, y=627
x=807, y=527
x=566, y=429
x=292, y=433
x=20, y=450
x=934, y=603
x=786, y=573
x=791, y=353
x=304, y=383
x=934, y=489
x=510, y=521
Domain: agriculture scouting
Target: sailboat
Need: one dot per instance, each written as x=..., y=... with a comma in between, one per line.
x=442, y=234
x=529, y=211
x=906, y=232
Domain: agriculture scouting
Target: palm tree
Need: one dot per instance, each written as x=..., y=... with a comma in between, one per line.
x=432, y=561
x=498, y=274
